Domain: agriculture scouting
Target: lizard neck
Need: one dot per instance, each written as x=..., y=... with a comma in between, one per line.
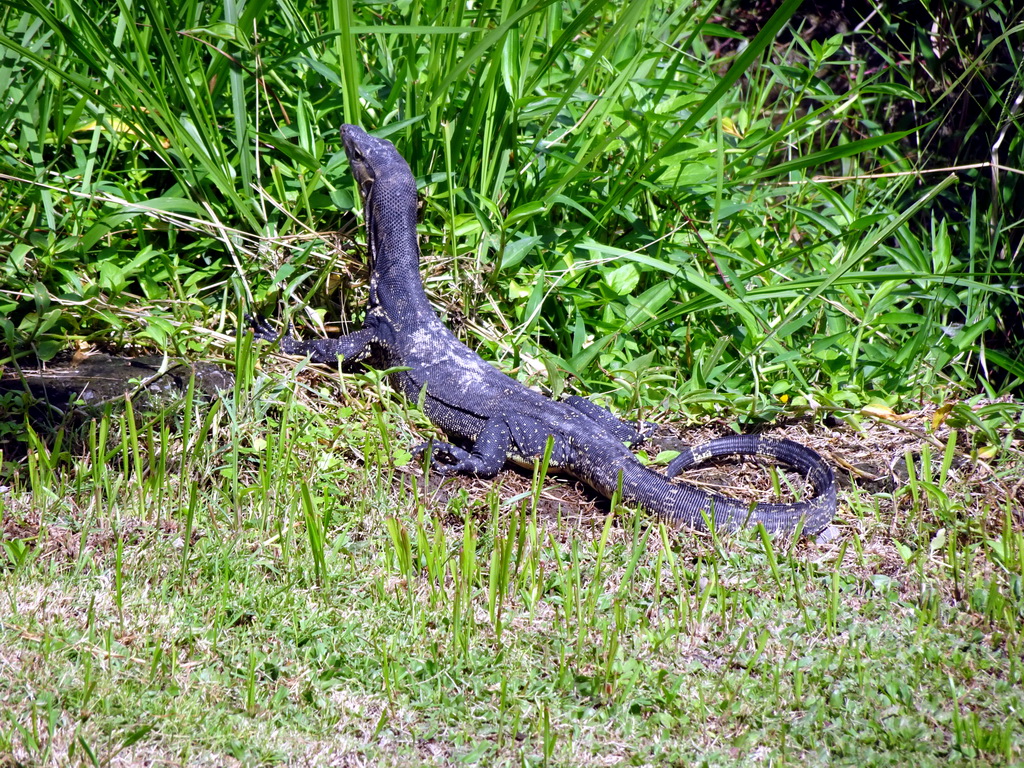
x=395, y=283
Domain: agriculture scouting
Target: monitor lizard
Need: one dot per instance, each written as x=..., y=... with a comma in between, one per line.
x=491, y=418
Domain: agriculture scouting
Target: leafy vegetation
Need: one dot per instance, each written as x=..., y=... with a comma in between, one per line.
x=629, y=200
x=678, y=207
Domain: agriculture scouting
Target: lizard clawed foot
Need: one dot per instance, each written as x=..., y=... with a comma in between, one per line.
x=646, y=429
x=264, y=331
x=261, y=328
x=445, y=458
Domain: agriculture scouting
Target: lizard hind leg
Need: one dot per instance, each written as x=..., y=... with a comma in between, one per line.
x=631, y=433
x=485, y=460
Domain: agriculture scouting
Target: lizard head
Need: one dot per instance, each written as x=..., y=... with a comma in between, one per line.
x=370, y=158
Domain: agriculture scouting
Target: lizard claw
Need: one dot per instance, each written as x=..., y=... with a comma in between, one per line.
x=646, y=429
x=264, y=331
x=445, y=458
x=261, y=329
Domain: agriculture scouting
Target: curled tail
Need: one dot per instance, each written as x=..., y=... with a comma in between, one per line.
x=693, y=507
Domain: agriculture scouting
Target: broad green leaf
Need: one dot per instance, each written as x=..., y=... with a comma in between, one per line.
x=622, y=280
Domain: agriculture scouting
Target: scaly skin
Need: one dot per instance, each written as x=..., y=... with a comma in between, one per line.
x=491, y=418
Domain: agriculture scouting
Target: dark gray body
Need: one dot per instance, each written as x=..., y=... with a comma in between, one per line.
x=491, y=417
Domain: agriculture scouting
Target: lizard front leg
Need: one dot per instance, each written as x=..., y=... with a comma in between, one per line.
x=353, y=347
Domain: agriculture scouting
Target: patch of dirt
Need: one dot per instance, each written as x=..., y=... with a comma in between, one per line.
x=53, y=541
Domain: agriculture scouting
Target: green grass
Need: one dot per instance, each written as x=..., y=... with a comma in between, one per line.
x=622, y=199
x=273, y=601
